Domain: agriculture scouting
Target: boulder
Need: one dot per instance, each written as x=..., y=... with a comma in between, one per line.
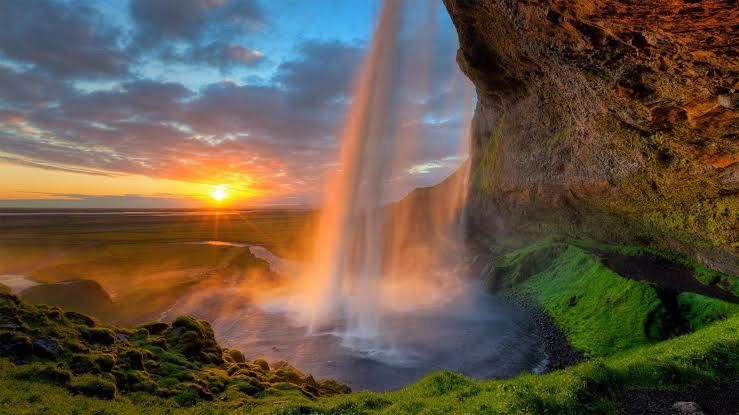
x=687, y=408
x=46, y=348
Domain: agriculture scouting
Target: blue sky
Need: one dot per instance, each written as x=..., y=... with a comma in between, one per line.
x=134, y=99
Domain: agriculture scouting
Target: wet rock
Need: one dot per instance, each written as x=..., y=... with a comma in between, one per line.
x=47, y=348
x=687, y=408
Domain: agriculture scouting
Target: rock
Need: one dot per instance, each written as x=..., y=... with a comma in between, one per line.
x=235, y=355
x=133, y=359
x=589, y=122
x=15, y=345
x=82, y=363
x=195, y=339
x=79, y=318
x=46, y=347
x=687, y=408
x=155, y=327
x=728, y=101
x=101, y=335
x=122, y=338
x=105, y=361
x=729, y=177
x=262, y=364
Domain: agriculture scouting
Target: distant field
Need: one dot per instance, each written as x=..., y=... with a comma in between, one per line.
x=144, y=261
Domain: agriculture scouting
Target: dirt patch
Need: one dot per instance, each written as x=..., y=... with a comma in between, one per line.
x=667, y=275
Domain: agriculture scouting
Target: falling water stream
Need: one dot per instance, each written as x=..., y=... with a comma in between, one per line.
x=389, y=294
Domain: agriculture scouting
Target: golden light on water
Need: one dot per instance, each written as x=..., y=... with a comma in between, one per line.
x=219, y=193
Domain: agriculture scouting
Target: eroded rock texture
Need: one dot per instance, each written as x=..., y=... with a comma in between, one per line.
x=612, y=119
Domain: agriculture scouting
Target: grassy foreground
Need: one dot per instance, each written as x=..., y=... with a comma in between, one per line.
x=708, y=355
x=178, y=368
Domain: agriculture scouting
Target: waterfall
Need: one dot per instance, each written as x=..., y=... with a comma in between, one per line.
x=369, y=254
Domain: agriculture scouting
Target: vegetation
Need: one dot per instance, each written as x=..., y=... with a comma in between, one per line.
x=60, y=362
x=575, y=288
x=180, y=361
x=709, y=355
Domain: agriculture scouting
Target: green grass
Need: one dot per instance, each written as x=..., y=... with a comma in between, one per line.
x=708, y=355
x=600, y=312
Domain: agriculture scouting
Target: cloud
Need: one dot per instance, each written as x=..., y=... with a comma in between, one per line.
x=278, y=135
x=29, y=88
x=197, y=31
x=67, y=40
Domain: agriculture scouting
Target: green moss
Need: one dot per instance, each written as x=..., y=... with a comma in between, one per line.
x=700, y=310
x=560, y=136
x=487, y=176
x=574, y=287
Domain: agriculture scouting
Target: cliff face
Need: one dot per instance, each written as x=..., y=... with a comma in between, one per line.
x=611, y=119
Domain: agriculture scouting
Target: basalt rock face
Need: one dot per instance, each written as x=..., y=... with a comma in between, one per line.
x=618, y=120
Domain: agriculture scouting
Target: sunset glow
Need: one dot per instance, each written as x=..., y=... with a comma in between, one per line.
x=219, y=193
x=132, y=115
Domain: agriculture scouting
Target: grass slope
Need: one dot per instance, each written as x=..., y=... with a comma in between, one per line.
x=600, y=312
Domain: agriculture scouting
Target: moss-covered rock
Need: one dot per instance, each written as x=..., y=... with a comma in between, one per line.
x=180, y=361
x=194, y=339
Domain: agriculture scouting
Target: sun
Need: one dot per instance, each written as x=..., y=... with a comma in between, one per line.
x=219, y=193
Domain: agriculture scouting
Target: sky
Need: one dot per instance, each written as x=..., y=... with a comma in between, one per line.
x=159, y=103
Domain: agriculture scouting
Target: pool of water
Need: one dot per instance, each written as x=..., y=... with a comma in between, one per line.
x=474, y=333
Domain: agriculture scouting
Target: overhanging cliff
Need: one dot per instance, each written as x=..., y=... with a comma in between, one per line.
x=610, y=119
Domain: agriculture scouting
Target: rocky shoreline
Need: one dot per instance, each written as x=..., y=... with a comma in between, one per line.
x=559, y=353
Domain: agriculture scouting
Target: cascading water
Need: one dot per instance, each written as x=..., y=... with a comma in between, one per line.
x=385, y=298
x=369, y=257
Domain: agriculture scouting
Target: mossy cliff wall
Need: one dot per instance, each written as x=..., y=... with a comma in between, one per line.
x=613, y=119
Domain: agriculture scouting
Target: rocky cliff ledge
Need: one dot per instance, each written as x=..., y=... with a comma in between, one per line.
x=613, y=119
